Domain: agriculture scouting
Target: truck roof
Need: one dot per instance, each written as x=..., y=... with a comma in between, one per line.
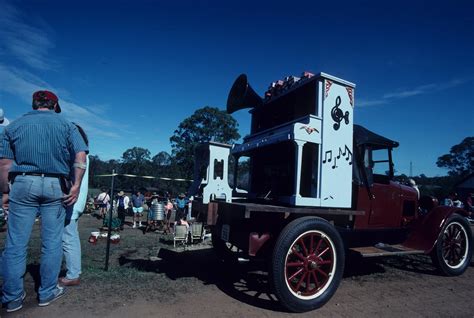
x=363, y=136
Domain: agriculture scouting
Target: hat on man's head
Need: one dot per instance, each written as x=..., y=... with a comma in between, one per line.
x=181, y=195
x=121, y=193
x=47, y=95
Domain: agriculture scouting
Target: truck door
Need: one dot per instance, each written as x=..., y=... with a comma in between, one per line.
x=385, y=207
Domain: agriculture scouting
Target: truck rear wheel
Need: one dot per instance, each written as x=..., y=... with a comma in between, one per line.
x=453, y=250
x=307, y=264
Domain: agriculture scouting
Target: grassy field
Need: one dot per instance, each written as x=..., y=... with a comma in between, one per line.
x=135, y=266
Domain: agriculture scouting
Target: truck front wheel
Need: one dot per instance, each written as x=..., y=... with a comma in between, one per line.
x=307, y=264
x=453, y=250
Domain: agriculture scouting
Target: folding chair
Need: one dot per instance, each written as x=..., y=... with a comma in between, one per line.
x=180, y=234
x=196, y=231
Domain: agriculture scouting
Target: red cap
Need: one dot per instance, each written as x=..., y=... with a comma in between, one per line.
x=47, y=95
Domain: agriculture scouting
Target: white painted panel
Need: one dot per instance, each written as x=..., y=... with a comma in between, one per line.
x=217, y=187
x=336, y=154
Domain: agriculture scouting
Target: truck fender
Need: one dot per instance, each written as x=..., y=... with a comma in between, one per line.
x=425, y=231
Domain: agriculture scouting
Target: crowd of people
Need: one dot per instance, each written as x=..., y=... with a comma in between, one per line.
x=158, y=207
x=465, y=203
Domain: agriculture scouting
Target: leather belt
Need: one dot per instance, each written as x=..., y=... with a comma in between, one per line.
x=47, y=175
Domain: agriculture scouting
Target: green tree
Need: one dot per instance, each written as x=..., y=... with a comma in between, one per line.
x=161, y=159
x=97, y=167
x=460, y=159
x=136, y=155
x=206, y=124
x=137, y=161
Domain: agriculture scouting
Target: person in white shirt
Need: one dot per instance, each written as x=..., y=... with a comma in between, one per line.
x=103, y=199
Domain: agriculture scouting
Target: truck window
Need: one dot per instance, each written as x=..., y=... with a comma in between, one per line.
x=380, y=162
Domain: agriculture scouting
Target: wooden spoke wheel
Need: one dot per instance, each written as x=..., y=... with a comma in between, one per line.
x=307, y=264
x=453, y=250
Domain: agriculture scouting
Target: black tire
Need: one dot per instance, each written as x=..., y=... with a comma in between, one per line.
x=320, y=267
x=226, y=252
x=453, y=250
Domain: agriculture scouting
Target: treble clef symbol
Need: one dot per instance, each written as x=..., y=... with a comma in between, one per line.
x=337, y=114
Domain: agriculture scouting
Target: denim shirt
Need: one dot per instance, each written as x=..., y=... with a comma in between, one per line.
x=41, y=142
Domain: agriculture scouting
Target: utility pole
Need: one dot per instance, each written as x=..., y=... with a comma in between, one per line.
x=109, y=230
x=411, y=169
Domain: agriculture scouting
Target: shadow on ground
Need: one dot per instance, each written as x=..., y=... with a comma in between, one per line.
x=417, y=264
x=245, y=282
x=248, y=281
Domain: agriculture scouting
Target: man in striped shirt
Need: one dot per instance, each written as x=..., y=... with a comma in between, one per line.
x=35, y=154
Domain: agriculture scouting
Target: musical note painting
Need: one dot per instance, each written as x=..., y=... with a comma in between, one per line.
x=346, y=154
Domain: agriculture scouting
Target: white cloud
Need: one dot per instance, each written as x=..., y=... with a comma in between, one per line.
x=423, y=89
x=368, y=102
x=29, y=47
x=406, y=93
x=27, y=43
x=22, y=84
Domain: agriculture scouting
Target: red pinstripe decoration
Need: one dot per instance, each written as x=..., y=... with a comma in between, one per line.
x=351, y=96
x=327, y=87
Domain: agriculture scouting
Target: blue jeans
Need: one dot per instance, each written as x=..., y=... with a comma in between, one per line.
x=72, y=249
x=28, y=196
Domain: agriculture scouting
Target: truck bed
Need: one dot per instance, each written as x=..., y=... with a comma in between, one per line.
x=245, y=210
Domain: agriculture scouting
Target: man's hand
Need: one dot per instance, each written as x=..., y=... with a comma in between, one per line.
x=71, y=198
x=5, y=165
x=5, y=201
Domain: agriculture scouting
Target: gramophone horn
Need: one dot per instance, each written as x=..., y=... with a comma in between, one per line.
x=242, y=95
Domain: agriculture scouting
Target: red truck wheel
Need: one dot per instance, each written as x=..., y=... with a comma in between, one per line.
x=453, y=250
x=307, y=264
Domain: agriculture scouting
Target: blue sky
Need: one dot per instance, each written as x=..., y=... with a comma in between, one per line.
x=130, y=72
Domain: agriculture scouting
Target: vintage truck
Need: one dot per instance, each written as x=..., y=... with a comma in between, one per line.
x=320, y=187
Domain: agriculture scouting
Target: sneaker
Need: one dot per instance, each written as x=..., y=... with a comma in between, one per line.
x=140, y=224
x=134, y=226
x=60, y=291
x=17, y=304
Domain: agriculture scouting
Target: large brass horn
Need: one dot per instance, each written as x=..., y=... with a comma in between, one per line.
x=242, y=95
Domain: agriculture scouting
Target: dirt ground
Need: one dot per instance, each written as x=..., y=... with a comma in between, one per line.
x=147, y=277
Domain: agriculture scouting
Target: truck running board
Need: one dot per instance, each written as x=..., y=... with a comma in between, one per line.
x=381, y=249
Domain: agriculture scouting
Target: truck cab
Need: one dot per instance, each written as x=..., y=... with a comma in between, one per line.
x=387, y=204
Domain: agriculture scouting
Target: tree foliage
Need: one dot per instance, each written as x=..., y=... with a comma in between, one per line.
x=135, y=161
x=161, y=159
x=136, y=155
x=206, y=124
x=460, y=159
